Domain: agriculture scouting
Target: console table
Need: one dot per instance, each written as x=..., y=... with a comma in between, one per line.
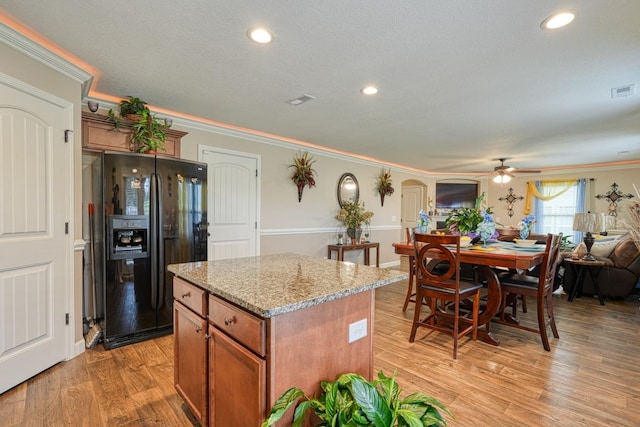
x=366, y=247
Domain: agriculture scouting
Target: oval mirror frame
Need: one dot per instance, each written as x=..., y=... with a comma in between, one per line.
x=348, y=189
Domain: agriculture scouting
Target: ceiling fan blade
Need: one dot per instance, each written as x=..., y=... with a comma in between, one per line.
x=526, y=171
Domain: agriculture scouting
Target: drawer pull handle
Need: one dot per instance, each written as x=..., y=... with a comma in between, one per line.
x=228, y=321
x=198, y=329
x=186, y=294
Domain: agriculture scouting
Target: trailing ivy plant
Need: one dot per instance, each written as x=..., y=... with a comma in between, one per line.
x=353, y=401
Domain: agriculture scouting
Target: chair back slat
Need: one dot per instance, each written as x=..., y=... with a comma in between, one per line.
x=549, y=261
x=429, y=246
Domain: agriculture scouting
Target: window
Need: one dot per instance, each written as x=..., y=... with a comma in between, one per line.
x=556, y=215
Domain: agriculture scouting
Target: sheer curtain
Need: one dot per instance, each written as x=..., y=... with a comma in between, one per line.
x=556, y=203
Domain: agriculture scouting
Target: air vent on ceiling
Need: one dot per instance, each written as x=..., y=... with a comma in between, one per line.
x=623, y=91
x=300, y=100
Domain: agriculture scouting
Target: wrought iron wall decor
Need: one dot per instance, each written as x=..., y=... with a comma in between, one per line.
x=614, y=196
x=510, y=199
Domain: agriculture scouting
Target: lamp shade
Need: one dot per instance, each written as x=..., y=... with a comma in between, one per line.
x=589, y=222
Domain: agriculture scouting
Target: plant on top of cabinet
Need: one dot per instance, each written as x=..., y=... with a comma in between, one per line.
x=302, y=172
x=131, y=108
x=149, y=133
x=353, y=401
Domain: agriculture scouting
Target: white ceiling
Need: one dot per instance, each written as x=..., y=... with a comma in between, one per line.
x=461, y=82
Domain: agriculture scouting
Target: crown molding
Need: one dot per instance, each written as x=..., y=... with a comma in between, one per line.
x=28, y=47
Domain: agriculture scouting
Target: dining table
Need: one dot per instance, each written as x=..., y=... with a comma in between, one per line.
x=484, y=259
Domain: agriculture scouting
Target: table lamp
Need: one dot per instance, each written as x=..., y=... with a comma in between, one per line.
x=588, y=223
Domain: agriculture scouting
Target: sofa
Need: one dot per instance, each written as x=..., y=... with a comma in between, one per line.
x=621, y=272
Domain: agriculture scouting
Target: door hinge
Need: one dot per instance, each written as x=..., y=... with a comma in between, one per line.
x=256, y=225
x=66, y=228
x=66, y=318
x=256, y=173
x=66, y=134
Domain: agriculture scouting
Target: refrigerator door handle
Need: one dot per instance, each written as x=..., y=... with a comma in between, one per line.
x=161, y=259
x=153, y=238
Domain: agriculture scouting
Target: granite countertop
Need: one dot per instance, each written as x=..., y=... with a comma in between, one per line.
x=271, y=285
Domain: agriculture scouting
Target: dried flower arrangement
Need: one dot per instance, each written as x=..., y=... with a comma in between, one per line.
x=383, y=185
x=302, y=172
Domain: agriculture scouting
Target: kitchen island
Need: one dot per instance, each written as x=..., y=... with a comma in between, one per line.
x=248, y=329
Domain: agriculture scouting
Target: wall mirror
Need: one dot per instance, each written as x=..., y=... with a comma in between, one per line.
x=348, y=189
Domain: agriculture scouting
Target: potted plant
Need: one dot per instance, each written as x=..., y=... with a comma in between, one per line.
x=383, y=186
x=353, y=215
x=466, y=220
x=132, y=107
x=302, y=172
x=149, y=133
x=351, y=400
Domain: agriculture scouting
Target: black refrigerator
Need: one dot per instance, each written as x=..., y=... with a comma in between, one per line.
x=155, y=214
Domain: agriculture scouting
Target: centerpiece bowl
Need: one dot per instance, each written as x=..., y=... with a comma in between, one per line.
x=528, y=242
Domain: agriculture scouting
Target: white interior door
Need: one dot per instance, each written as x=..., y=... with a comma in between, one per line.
x=232, y=207
x=34, y=199
x=412, y=197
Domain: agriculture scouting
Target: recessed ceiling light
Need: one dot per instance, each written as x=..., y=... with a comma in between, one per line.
x=558, y=20
x=260, y=35
x=369, y=90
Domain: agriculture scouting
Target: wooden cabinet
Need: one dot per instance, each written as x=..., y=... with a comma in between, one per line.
x=99, y=133
x=190, y=349
x=237, y=383
x=251, y=361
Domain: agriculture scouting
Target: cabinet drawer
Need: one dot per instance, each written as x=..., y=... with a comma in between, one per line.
x=190, y=295
x=248, y=329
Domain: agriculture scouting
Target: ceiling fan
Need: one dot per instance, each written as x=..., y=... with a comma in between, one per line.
x=503, y=173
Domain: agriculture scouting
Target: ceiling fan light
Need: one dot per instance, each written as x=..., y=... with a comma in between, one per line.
x=502, y=178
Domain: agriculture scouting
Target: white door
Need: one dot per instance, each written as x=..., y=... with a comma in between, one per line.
x=412, y=197
x=232, y=207
x=34, y=255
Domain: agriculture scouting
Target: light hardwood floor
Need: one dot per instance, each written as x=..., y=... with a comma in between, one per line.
x=591, y=377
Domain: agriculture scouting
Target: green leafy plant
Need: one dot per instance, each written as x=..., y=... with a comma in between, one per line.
x=353, y=401
x=149, y=133
x=132, y=105
x=466, y=220
x=353, y=215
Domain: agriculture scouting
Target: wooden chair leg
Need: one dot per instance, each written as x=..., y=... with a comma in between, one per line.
x=542, y=325
x=409, y=293
x=552, y=317
x=416, y=316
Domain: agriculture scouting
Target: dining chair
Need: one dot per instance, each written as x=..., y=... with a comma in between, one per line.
x=443, y=290
x=539, y=287
x=410, y=294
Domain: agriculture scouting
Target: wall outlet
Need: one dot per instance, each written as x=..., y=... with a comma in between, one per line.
x=393, y=218
x=357, y=330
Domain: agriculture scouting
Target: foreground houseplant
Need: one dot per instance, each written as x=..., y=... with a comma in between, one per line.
x=351, y=400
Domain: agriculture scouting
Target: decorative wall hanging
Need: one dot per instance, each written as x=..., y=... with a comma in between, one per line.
x=510, y=199
x=614, y=196
x=383, y=185
x=302, y=172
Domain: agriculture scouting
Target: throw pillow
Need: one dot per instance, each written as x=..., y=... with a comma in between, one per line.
x=599, y=248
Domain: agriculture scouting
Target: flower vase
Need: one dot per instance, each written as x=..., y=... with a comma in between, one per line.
x=524, y=233
x=485, y=235
x=422, y=229
x=354, y=234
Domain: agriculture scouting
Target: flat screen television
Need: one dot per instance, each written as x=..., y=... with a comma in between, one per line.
x=456, y=195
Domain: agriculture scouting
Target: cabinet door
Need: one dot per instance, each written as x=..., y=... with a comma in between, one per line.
x=237, y=383
x=190, y=360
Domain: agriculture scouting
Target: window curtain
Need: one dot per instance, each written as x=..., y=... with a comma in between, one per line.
x=552, y=189
x=548, y=190
x=580, y=205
